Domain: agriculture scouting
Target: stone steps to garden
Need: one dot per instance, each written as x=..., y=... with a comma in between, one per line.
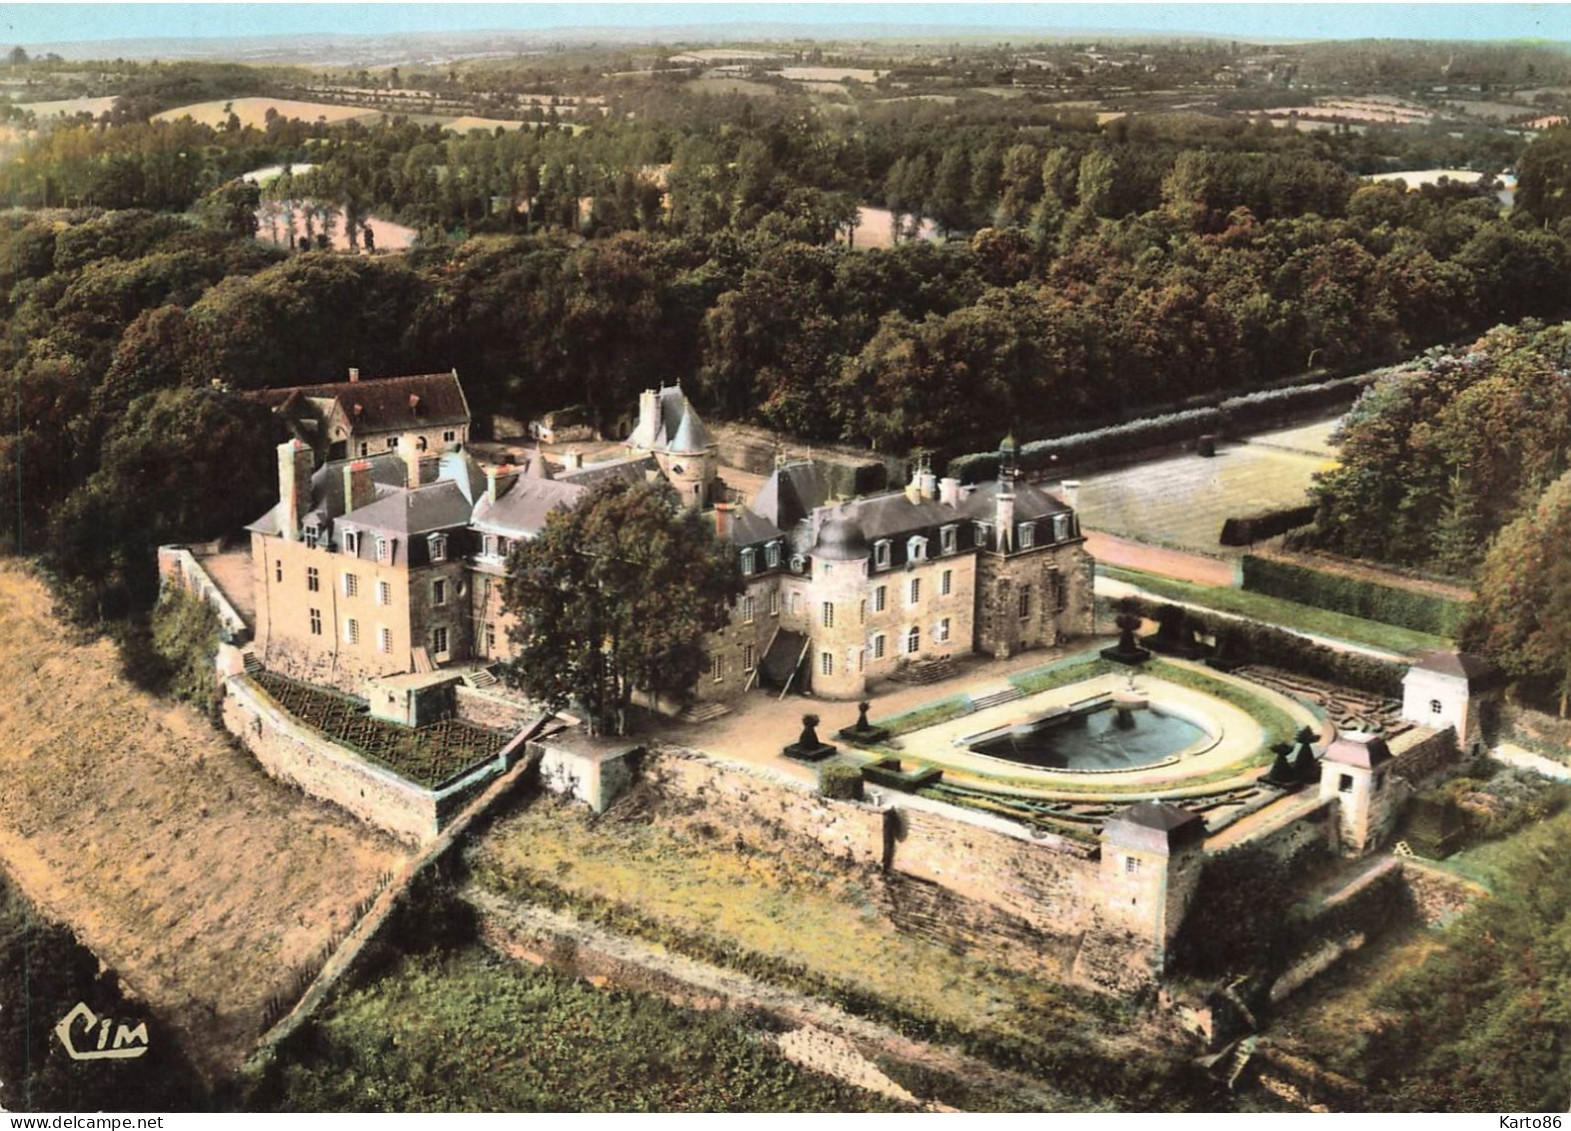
x=996, y=696
x=925, y=671
x=703, y=712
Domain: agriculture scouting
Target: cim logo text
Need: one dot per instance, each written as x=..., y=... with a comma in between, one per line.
x=87, y=1036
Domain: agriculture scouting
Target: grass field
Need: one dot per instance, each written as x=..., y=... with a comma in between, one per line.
x=468, y=1031
x=253, y=111
x=1273, y=610
x=175, y=858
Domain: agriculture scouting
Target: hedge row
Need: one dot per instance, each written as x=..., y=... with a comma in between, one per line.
x=1252, y=528
x=1355, y=596
x=1241, y=642
x=1227, y=417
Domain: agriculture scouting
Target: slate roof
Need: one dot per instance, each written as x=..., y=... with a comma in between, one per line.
x=633, y=469
x=423, y=510
x=388, y=474
x=386, y=403
x=789, y=495
x=521, y=511
x=1155, y=826
x=1356, y=748
x=747, y=528
x=1461, y=665
x=677, y=427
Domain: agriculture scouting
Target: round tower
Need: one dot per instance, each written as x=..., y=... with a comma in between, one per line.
x=839, y=638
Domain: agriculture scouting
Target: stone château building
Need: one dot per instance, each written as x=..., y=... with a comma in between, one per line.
x=392, y=563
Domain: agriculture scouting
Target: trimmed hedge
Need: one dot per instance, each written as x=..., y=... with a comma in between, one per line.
x=1250, y=642
x=1355, y=596
x=1261, y=409
x=840, y=782
x=1258, y=527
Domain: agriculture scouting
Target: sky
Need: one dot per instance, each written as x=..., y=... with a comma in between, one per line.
x=31, y=23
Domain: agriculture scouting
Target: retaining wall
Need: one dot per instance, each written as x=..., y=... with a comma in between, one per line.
x=484, y=709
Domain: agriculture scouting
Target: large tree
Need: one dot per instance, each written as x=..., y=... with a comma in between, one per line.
x=616, y=595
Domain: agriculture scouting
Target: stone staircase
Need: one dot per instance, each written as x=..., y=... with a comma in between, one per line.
x=481, y=679
x=703, y=712
x=995, y=697
x=253, y=662
x=925, y=671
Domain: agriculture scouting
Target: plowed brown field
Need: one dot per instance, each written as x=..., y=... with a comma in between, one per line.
x=176, y=860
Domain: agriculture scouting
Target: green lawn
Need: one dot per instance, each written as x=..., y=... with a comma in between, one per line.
x=1288, y=614
x=468, y=1031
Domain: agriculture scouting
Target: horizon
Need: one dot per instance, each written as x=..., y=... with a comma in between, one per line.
x=49, y=25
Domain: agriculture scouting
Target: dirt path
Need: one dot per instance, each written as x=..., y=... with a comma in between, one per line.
x=1108, y=549
x=177, y=861
x=834, y=1038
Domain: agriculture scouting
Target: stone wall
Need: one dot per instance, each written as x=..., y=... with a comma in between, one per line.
x=1422, y=754
x=1317, y=828
x=294, y=753
x=1438, y=896
x=485, y=709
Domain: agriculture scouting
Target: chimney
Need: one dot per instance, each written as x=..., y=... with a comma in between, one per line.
x=359, y=490
x=927, y=484
x=294, y=486
x=1005, y=516
x=354, y=374
x=648, y=416
x=723, y=520
x=949, y=492
x=1069, y=492
x=498, y=480
x=419, y=467
x=572, y=459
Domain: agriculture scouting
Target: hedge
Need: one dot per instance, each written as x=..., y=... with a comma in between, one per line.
x=840, y=781
x=1249, y=529
x=1228, y=417
x=1355, y=596
x=1250, y=642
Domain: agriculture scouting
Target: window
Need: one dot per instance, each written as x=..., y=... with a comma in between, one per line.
x=351, y=631
x=316, y=622
x=983, y=535
x=946, y=583
x=438, y=544
x=351, y=585
x=313, y=579
x=826, y=663
x=861, y=611
x=449, y=436
x=1025, y=602
x=392, y=442
x=943, y=631
x=1344, y=783
x=503, y=546
x=881, y=553
x=1131, y=865
x=774, y=602
x=949, y=539
x=913, y=641
x=1027, y=535
x=384, y=639
x=439, y=595
x=1060, y=528
x=1058, y=589
x=309, y=533
x=747, y=561
x=365, y=449
x=1436, y=707
x=278, y=569
x=488, y=546
x=796, y=604
x=384, y=549
x=916, y=591
x=829, y=614
x=880, y=598
x=439, y=640
x=352, y=542
x=490, y=639
x=749, y=657
x=717, y=667
x=748, y=608
x=384, y=593
x=772, y=554
x=878, y=646
x=916, y=549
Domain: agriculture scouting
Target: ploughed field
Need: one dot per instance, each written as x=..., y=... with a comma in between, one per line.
x=176, y=860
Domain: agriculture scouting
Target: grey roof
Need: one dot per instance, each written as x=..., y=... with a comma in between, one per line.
x=388, y=474
x=521, y=511
x=840, y=540
x=677, y=427
x=633, y=469
x=459, y=467
x=1462, y=665
x=789, y=495
x=422, y=510
x=1155, y=826
x=747, y=528
x=1356, y=748
x=1031, y=502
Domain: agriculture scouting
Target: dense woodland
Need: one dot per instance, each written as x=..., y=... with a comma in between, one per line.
x=1090, y=274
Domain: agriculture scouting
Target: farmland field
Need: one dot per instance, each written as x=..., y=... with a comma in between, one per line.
x=175, y=859
x=253, y=111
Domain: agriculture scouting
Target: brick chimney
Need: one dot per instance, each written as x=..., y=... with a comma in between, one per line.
x=354, y=374
x=949, y=492
x=359, y=490
x=294, y=487
x=723, y=519
x=498, y=480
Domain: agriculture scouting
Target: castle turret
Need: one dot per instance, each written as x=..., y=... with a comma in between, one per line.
x=1004, y=508
x=1151, y=858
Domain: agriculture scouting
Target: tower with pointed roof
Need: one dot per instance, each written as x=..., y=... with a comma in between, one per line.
x=669, y=428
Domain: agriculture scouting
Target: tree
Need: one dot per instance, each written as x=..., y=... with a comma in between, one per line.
x=614, y=596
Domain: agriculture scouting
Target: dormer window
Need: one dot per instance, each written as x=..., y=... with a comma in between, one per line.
x=309, y=534
x=772, y=555
x=1027, y=535
x=352, y=542
x=489, y=546
x=984, y=535
x=747, y=560
x=438, y=545
x=384, y=549
x=916, y=549
x=798, y=563
x=1061, y=528
x=881, y=553
x=949, y=538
